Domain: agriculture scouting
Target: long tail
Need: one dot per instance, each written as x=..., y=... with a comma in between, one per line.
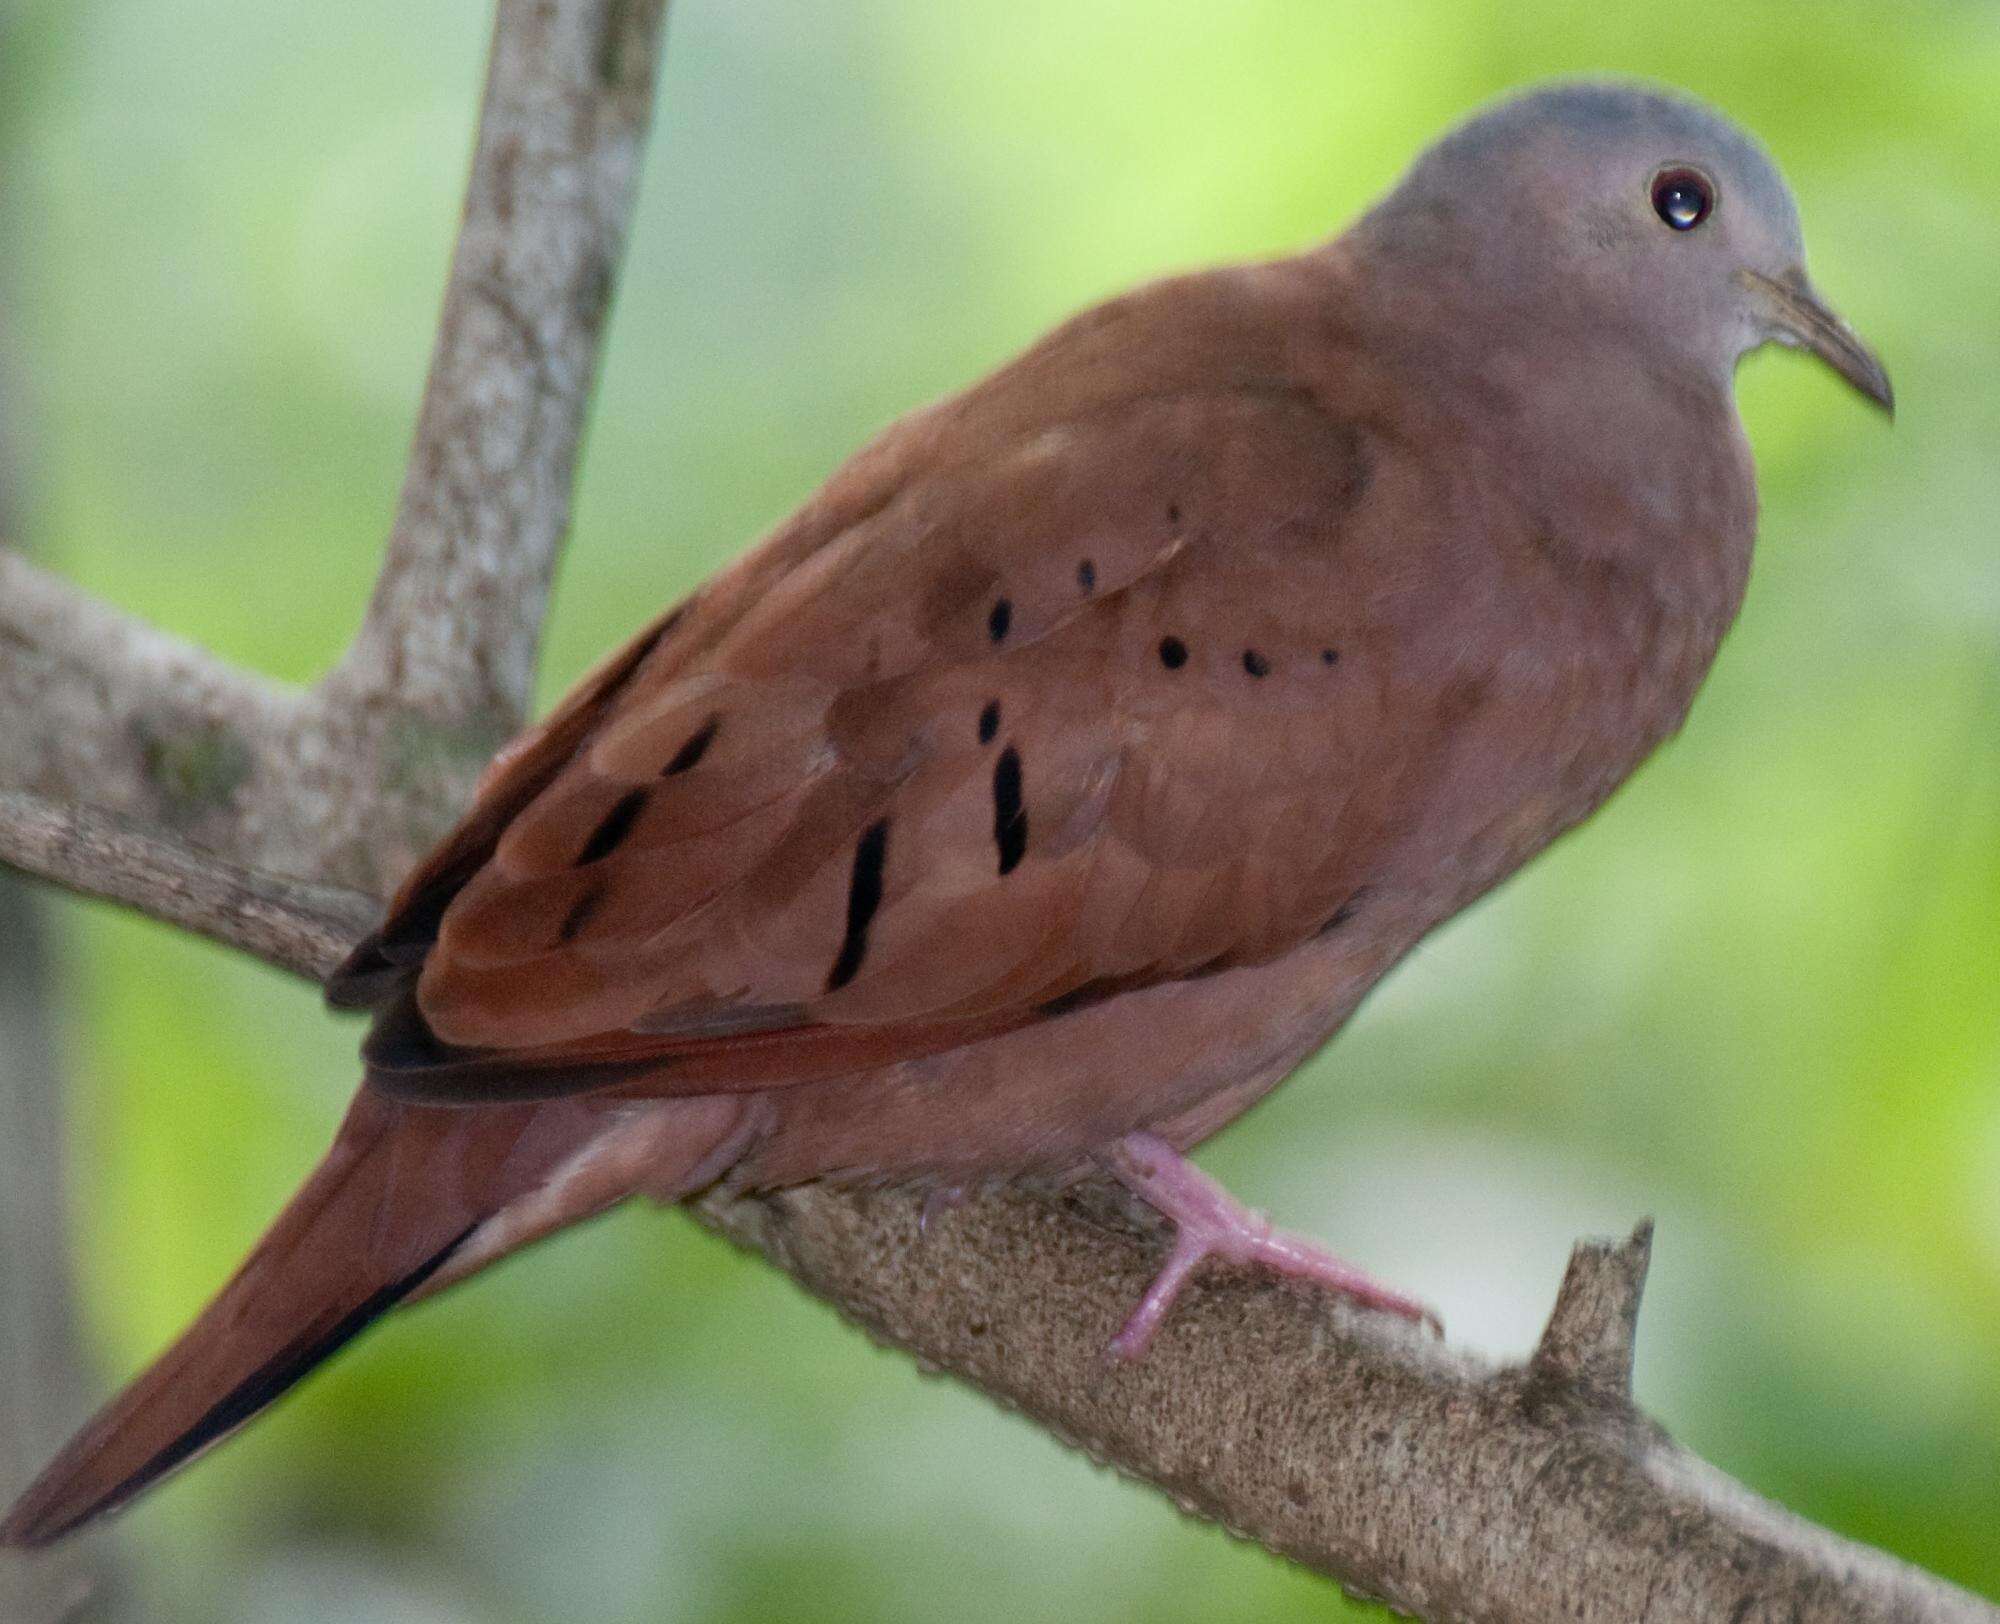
x=408, y=1198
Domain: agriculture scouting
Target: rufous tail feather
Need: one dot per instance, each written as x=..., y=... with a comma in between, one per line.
x=402, y=1190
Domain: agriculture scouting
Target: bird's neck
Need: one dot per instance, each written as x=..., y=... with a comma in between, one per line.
x=1645, y=462
x=1628, y=457
x=1615, y=500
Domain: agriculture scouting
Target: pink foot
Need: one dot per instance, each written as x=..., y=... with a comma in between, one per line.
x=1208, y=1220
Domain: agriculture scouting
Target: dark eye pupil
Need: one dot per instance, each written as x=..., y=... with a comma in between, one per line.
x=1681, y=205
x=1681, y=200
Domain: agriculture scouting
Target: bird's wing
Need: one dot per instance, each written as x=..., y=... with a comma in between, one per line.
x=1088, y=707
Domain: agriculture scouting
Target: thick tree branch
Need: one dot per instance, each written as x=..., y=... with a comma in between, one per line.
x=453, y=628
x=94, y=702
x=1452, y=1488
x=100, y=709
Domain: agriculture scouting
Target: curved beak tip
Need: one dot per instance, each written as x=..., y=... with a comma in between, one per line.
x=1859, y=365
x=1883, y=392
x=1837, y=344
x=1800, y=318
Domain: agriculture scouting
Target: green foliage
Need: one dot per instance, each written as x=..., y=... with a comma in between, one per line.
x=1756, y=997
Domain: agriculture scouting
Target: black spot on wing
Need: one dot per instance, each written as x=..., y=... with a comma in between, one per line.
x=579, y=914
x=999, y=619
x=384, y=959
x=1010, y=814
x=989, y=721
x=1086, y=576
x=864, y=896
x=695, y=748
x=1255, y=663
x=1091, y=992
x=1173, y=653
x=609, y=835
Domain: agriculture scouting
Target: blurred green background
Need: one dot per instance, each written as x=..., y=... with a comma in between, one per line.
x=1759, y=997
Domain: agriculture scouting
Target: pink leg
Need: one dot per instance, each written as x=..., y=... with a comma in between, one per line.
x=1207, y=1221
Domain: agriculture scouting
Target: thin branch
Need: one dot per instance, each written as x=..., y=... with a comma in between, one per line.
x=1590, y=1334
x=452, y=631
x=295, y=925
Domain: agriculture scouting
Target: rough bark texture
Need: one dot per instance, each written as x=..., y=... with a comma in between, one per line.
x=452, y=631
x=291, y=922
x=351, y=781
x=143, y=771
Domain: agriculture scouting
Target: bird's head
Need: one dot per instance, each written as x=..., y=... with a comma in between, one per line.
x=1625, y=205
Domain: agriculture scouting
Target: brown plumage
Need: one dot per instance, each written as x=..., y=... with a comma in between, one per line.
x=1076, y=760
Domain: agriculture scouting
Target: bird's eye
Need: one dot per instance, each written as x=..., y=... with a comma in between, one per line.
x=1682, y=197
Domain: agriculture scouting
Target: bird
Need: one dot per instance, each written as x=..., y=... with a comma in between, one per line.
x=1070, y=766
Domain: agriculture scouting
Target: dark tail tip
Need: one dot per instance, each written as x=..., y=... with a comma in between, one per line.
x=64, y=1497
x=21, y=1532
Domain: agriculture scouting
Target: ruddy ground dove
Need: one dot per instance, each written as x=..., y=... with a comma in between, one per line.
x=1072, y=764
